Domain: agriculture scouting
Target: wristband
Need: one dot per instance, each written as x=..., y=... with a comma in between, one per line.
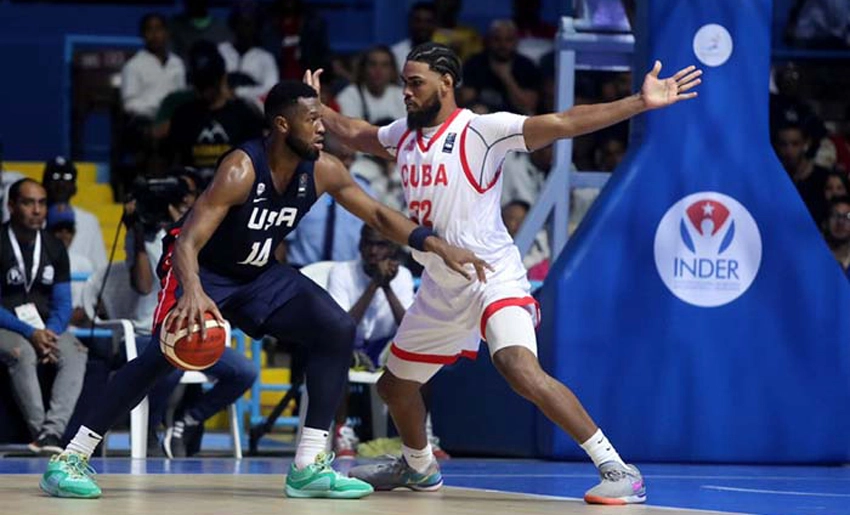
x=417, y=237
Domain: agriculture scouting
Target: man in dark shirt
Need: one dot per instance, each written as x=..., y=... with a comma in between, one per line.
x=214, y=121
x=500, y=79
x=35, y=308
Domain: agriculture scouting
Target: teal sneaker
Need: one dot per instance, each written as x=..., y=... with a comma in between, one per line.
x=69, y=475
x=320, y=480
x=398, y=474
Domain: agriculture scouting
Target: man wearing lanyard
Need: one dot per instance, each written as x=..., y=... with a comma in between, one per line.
x=35, y=308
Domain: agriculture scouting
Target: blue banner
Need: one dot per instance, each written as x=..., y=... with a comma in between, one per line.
x=697, y=311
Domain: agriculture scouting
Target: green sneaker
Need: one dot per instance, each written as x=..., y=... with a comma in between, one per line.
x=320, y=480
x=69, y=475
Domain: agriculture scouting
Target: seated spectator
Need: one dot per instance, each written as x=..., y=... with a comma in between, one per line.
x=837, y=231
x=536, y=261
x=835, y=185
x=463, y=39
x=251, y=70
x=153, y=73
x=791, y=146
x=609, y=153
x=298, y=37
x=376, y=290
x=146, y=219
x=499, y=78
x=523, y=175
x=822, y=24
x=421, y=24
x=788, y=107
x=7, y=178
x=60, y=181
x=61, y=224
x=196, y=24
x=35, y=307
x=214, y=121
x=536, y=37
x=375, y=96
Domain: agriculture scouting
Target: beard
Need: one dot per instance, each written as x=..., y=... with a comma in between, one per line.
x=426, y=115
x=301, y=149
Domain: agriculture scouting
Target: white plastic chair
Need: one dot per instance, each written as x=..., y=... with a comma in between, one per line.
x=119, y=302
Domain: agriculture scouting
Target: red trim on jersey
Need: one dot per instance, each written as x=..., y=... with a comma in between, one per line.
x=168, y=292
x=434, y=359
x=467, y=172
x=425, y=148
x=400, y=142
x=493, y=307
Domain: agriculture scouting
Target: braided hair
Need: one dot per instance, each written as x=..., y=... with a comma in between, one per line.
x=439, y=58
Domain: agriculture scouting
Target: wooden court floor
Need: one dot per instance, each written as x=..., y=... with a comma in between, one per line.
x=162, y=494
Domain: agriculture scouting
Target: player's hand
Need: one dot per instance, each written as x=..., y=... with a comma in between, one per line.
x=190, y=310
x=312, y=79
x=455, y=258
x=658, y=92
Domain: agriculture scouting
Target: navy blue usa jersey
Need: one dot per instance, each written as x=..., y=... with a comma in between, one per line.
x=242, y=247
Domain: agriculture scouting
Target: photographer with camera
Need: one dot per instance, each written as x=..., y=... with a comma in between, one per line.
x=156, y=204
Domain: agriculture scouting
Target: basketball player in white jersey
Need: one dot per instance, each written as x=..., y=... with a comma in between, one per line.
x=450, y=163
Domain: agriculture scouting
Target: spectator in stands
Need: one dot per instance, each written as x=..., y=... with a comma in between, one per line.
x=375, y=96
x=154, y=72
x=298, y=37
x=60, y=181
x=791, y=146
x=61, y=224
x=376, y=290
x=536, y=37
x=328, y=232
x=252, y=70
x=421, y=24
x=536, y=261
x=195, y=24
x=837, y=231
x=499, y=78
x=7, y=178
x=214, y=121
x=841, y=141
x=609, y=153
x=788, y=107
x=835, y=185
x=36, y=307
x=463, y=39
x=146, y=219
x=821, y=24
x=523, y=175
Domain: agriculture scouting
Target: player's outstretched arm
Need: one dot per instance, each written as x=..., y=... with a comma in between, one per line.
x=542, y=130
x=230, y=186
x=357, y=134
x=334, y=179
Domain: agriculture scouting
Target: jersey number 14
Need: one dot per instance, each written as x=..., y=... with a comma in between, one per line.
x=259, y=256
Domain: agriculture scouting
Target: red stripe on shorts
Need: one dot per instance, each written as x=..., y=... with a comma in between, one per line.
x=434, y=359
x=495, y=306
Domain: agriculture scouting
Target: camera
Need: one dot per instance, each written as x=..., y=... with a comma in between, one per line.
x=153, y=196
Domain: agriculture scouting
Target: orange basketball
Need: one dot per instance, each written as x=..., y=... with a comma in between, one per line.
x=186, y=350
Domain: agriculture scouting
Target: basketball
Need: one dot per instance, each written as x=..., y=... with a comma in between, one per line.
x=187, y=351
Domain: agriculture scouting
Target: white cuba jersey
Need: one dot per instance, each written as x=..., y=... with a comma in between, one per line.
x=451, y=176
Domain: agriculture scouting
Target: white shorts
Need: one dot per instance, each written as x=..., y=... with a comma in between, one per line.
x=442, y=326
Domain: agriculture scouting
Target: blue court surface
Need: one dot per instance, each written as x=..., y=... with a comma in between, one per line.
x=786, y=490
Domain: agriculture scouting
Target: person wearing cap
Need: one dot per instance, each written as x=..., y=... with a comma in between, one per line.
x=60, y=181
x=214, y=121
x=62, y=225
x=35, y=308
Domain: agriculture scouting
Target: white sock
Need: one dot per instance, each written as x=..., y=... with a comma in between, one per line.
x=600, y=449
x=84, y=442
x=418, y=459
x=313, y=441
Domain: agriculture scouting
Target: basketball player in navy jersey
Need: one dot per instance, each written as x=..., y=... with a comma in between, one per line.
x=220, y=260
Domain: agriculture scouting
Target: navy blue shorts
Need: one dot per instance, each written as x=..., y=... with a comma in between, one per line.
x=247, y=305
